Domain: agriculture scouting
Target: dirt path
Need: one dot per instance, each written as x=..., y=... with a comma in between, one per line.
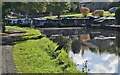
x=7, y=59
x=8, y=40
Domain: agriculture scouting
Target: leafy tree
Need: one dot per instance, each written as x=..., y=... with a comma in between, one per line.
x=117, y=16
x=99, y=13
x=5, y=9
x=60, y=7
x=84, y=11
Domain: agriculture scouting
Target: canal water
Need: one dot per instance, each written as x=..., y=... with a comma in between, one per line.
x=92, y=50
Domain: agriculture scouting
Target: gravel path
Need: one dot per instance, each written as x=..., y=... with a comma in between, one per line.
x=6, y=51
x=7, y=59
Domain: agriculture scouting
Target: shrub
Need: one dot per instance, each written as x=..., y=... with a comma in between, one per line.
x=34, y=57
x=117, y=16
x=99, y=13
x=66, y=63
x=84, y=11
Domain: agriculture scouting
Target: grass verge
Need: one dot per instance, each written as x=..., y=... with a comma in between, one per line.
x=39, y=56
x=30, y=32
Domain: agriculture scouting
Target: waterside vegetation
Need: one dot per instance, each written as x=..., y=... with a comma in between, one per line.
x=40, y=55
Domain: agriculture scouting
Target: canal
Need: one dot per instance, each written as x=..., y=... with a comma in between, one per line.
x=92, y=50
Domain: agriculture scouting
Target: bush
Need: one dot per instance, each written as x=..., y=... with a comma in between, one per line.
x=84, y=11
x=66, y=63
x=117, y=16
x=99, y=13
x=31, y=56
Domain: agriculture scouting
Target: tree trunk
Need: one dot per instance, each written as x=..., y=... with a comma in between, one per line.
x=117, y=16
x=2, y=27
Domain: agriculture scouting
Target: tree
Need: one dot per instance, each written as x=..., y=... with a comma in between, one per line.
x=99, y=13
x=117, y=16
x=84, y=11
x=26, y=7
x=1, y=29
x=60, y=7
x=5, y=9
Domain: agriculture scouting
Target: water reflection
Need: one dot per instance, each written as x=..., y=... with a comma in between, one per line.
x=76, y=44
x=101, y=54
x=105, y=63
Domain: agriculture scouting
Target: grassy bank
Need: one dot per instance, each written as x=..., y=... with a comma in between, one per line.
x=29, y=32
x=106, y=14
x=39, y=56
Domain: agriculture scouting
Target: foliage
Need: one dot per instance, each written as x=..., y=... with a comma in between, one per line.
x=38, y=7
x=66, y=63
x=99, y=13
x=30, y=32
x=44, y=7
x=118, y=51
x=34, y=58
x=65, y=41
x=115, y=4
x=117, y=16
x=84, y=11
x=106, y=14
x=60, y=7
x=39, y=56
x=34, y=8
x=25, y=7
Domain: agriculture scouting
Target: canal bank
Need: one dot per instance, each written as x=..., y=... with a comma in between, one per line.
x=7, y=43
x=99, y=47
x=38, y=55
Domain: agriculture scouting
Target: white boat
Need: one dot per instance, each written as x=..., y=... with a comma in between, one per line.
x=104, y=38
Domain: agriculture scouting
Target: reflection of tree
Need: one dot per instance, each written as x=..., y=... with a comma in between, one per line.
x=82, y=52
x=118, y=51
x=64, y=40
x=118, y=40
x=85, y=68
x=69, y=42
x=118, y=44
x=76, y=46
x=111, y=50
x=94, y=50
x=73, y=43
x=83, y=48
x=105, y=46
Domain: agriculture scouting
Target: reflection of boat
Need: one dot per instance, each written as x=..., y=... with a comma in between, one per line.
x=104, y=38
x=85, y=37
x=55, y=35
x=89, y=44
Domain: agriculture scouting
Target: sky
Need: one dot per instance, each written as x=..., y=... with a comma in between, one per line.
x=105, y=63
